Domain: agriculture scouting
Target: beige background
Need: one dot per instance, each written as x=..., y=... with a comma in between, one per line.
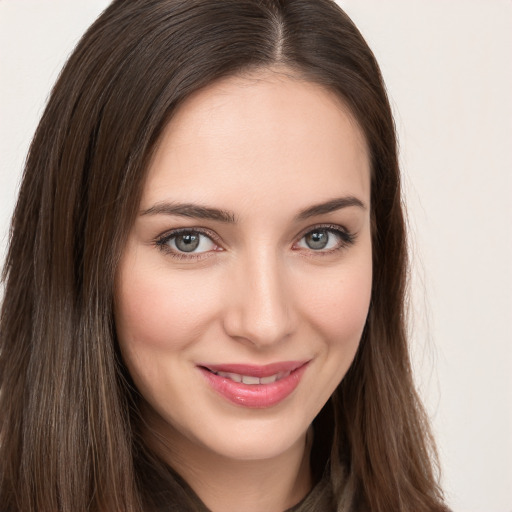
x=447, y=66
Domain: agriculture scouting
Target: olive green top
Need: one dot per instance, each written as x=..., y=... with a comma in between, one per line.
x=166, y=491
x=319, y=499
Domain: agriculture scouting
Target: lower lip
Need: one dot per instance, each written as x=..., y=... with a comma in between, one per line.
x=256, y=396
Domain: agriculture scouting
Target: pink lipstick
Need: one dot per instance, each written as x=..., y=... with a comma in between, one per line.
x=254, y=386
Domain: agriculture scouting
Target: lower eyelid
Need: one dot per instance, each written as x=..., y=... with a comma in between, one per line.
x=345, y=237
x=163, y=244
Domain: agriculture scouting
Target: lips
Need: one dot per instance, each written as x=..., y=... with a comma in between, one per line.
x=255, y=386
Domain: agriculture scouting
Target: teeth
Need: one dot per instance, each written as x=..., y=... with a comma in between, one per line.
x=232, y=376
x=250, y=380
x=268, y=380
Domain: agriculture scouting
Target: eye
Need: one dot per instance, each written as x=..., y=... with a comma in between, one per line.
x=183, y=242
x=325, y=239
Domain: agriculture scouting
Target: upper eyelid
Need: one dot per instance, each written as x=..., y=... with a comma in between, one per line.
x=327, y=226
x=347, y=237
x=161, y=242
x=216, y=238
x=167, y=235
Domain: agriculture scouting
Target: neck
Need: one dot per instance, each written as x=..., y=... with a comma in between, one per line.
x=229, y=485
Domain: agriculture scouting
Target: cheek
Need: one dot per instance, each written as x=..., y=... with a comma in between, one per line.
x=347, y=310
x=159, y=315
x=158, y=310
x=338, y=304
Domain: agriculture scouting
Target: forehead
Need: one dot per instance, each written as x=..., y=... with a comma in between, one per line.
x=263, y=132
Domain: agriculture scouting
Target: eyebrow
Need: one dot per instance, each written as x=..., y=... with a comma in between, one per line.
x=192, y=210
x=330, y=206
x=197, y=211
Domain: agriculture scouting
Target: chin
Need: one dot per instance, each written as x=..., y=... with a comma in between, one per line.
x=258, y=440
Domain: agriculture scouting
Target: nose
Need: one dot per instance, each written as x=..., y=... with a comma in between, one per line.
x=260, y=302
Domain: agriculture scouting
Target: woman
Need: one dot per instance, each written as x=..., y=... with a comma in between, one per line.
x=204, y=302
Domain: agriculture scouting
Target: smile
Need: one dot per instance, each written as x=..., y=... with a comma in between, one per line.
x=255, y=386
x=251, y=380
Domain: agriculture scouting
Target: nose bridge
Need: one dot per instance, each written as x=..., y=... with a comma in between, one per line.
x=260, y=308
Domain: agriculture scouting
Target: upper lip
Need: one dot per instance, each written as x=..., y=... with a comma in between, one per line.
x=256, y=370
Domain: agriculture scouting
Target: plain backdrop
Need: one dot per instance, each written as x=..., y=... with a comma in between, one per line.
x=448, y=69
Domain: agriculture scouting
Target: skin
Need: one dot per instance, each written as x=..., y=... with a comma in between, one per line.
x=265, y=147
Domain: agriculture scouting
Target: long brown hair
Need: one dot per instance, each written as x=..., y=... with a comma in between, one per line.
x=68, y=418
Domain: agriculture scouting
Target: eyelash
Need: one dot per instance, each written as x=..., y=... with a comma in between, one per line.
x=346, y=239
x=162, y=243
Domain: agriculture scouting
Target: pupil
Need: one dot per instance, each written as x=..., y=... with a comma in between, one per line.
x=317, y=239
x=187, y=242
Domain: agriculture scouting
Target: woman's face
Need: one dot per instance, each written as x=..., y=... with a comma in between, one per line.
x=245, y=283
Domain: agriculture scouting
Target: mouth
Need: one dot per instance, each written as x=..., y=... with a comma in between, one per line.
x=255, y=386
x=251, y=380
